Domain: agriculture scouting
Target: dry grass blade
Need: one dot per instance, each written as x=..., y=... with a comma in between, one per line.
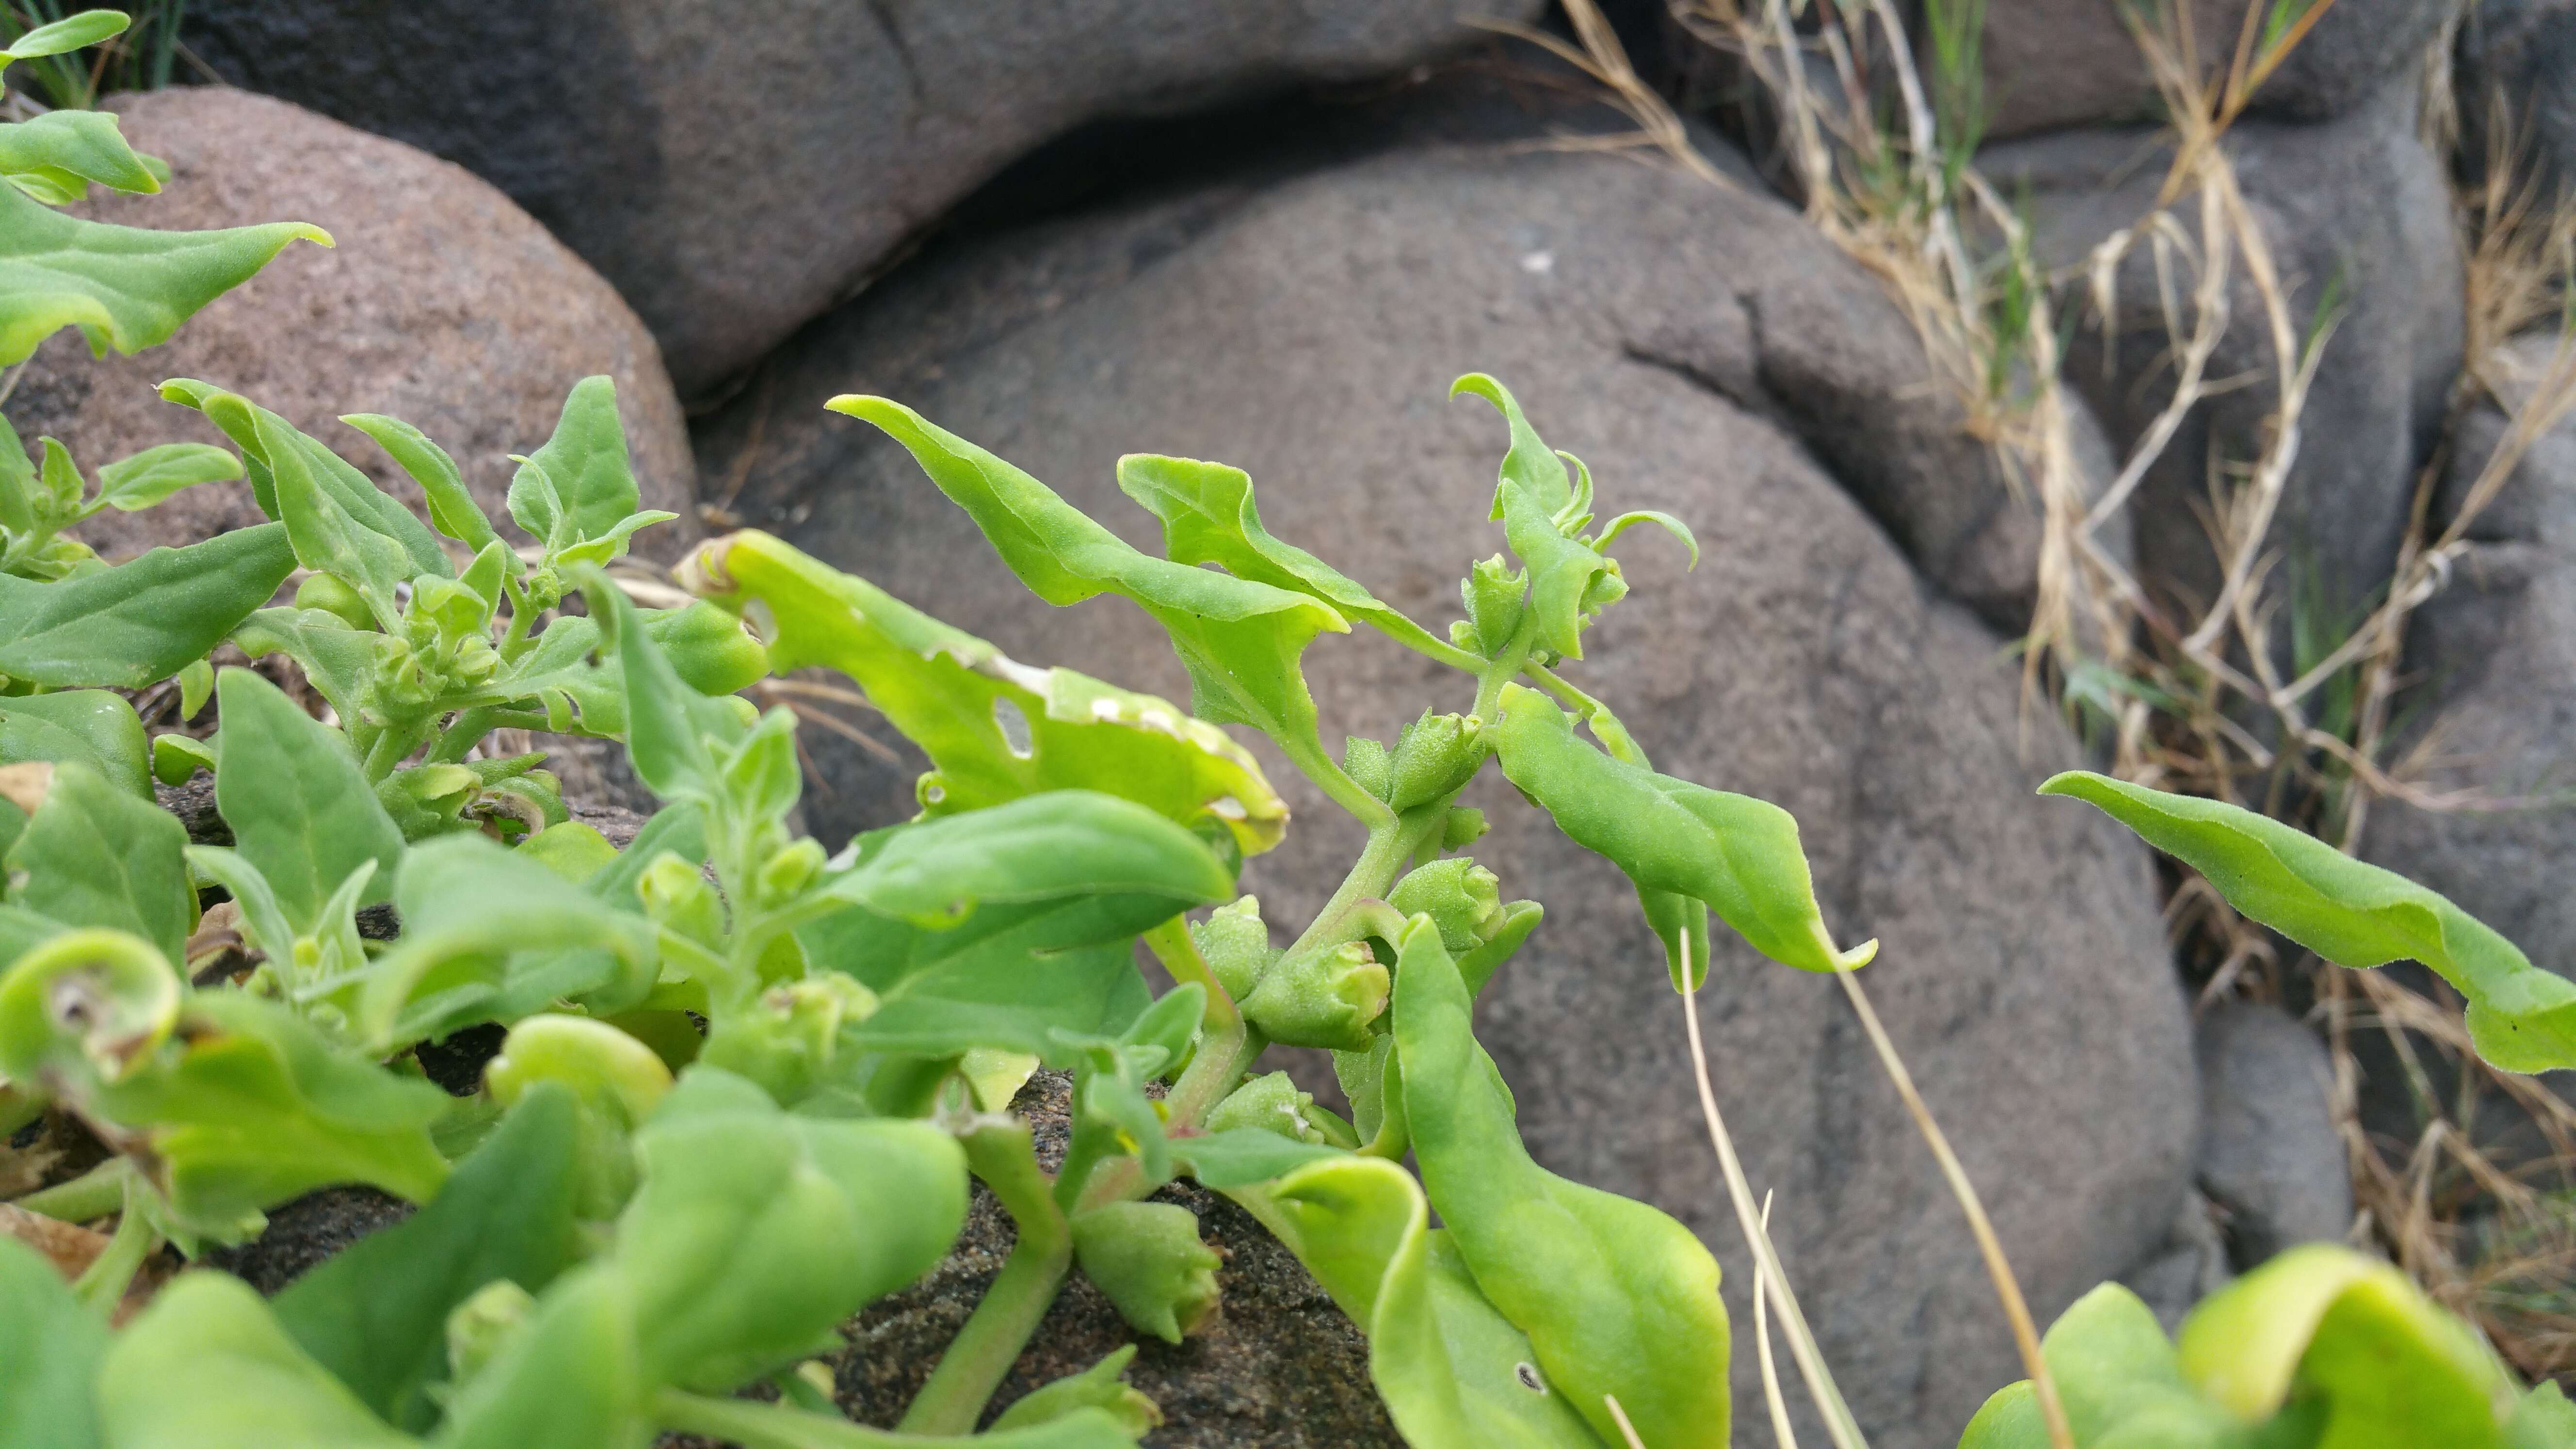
x=1782, y=1435
x=1839, y=1423
x=1606, y=61
x=2007, y=1287
x=1627, y=1430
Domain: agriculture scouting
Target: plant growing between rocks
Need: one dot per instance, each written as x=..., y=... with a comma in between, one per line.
x=745, y=1079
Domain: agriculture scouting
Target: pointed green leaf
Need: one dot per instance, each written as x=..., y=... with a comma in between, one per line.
x=452, y=509
x=1617, y=1298
x=669, y=726
x=208, y=1366
x=336, y=658
x=586, y=462
x=139, y=622
x=138, y=482
x=299, y=805
x=375, y=1315
x=256, y=430
x=124, y=288
x=2521, y=1018
x=1043, y=847
x=1739, y=855
x=995, y=730
x=95, y=855
x=50, y=1349
x=85, y=726
x=327, y=538
x=69, y=149
x=1239, y=638
x=1209, y=517
x=77, y=31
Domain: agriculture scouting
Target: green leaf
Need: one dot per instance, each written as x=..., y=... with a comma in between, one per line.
x=336, y=659
x=2521, y=1018
x=1209, y=517
x=72, y=32
x=762, y=1231
x=123, y=287
x=1739, y=855
x=139, y=622
x=95, y=855
x=70, y=149
x=995, y=730
x=1010, y=978
x=299, y=806
x=84, y=726
x=572, y=1375
x=50, y=1348
x=1240, y=639
x=452, y=509
x=670, y=728
x=252, y=1107
x=208, y=1366
x=487, y=937
x=2115, y=1373
x=257, y=432
x=1447, y=1364
x=375, y=1315
x=1244, y=1155
x=1043, y=847
x=1097, y=1387
x=2544, y=1419
x=2322, y=1322
x=592, y=486
x=1530, y=497
x=1617, y=1298
x=131, y=484
x=327, y=538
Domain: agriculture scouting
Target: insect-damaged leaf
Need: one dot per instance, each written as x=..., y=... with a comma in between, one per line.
x=995, y=730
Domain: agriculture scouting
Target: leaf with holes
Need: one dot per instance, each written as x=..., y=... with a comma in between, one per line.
x=995, y=730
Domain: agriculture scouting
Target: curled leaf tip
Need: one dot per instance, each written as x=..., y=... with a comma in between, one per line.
x=309, y=232
x=865, y=405
x=1860, y=955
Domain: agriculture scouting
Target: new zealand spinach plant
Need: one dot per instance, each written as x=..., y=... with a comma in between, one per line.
x=744, y=1079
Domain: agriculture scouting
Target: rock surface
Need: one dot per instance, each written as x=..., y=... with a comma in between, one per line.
x=2060, y=63
x=734, y=179
x=2355, y=209
x=2497, y=652
x=443, y=304
x=2523, y=53
x=1307, y=328
x=2270, y=1158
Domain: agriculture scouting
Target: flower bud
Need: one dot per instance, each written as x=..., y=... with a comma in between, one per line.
x=328, y=594
x=1364, y=760
x=1236, y=946
x=1273, y=1104
x=790, y=871
x=786, y=1038
x=677, y=896
x=1494, y=591
x=478, y=1327
x=1321, y=999
x=1435, y=756
x=1462, y=898
x=1146, y=1257
x=1463, y=827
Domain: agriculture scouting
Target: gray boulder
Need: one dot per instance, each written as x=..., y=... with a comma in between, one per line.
x=1306, y=327
x=737, y=173
x=2356, y=209
x=2520, y=55
x=2051, y=64
x=442, y=304
x=2271, y=1161
x=2497, y=653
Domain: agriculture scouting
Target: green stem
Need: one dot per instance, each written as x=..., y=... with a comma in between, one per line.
x=387, y=750
x=515, y=639
x=770, y=1426
x=86, y=1198
x=102, y=1286
x=1000, y=1152
x=1307, y=754
x=469, y=729
x=1171, y=944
